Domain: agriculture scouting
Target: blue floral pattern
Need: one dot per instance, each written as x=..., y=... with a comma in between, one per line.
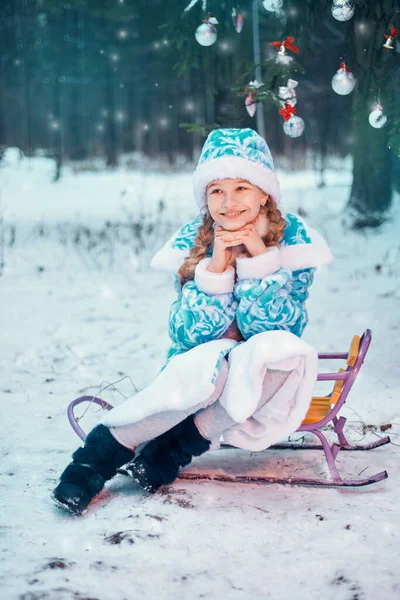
x=243, y=143
x=184, y=239
x=274, y=302
x=295, y=231
x=196, y=317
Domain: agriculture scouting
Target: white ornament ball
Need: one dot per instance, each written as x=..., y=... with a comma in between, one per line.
x=343, y=82
x=343, y=11
x=272, y=5
x=377, y=118
x=294, y=127
x=206, y=35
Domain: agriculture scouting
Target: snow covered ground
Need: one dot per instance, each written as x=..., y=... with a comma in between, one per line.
x=80, y=308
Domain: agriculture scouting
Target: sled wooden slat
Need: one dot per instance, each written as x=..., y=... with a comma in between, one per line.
x=320, y=406
x=324, y=411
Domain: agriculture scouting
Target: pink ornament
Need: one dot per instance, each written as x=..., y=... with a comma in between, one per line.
x=237, y=19
x=251, y=104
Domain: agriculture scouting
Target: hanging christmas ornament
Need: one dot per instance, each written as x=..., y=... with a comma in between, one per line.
x=237, y=19
x=293, y=126
x=251, y=104
x=288, y=93
x=343, y=81
x=282, y=56
x=390, y=38
x=206, y=34
x=251, y=98
x=272, y=5
x=343, y=10
x=377, y=118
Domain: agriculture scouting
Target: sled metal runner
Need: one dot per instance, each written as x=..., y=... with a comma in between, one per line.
x=303, y=481
x=322, y=411
x=264, y=479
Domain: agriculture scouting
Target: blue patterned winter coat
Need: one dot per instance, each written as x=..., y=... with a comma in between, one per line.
x=265, y=293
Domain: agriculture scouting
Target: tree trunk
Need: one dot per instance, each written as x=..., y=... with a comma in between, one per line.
x=3, y=129
x=137, y=116
x=207, y=85
x=25, y=82
x=155, y=126
x=371, y=192
x=56, y=150
x=111, y=132
x=196, y=137
x=76, y=142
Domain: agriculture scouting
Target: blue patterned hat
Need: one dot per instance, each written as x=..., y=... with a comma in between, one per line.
x=235, y=154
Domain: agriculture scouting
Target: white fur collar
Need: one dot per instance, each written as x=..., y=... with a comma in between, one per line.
x=262, y=224
x=292, y=257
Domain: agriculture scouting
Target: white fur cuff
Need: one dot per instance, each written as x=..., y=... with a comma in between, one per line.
x=258, y=267
x=214, y=283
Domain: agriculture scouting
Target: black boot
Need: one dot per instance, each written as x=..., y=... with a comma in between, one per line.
x=159, y=462
x=93, y=464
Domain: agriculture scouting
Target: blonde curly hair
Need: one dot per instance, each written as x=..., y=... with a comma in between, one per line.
x=205, y=238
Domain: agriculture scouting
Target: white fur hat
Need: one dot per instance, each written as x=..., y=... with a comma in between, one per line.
x=235, y=154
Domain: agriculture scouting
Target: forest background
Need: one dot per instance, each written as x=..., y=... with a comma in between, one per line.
x=81, y=80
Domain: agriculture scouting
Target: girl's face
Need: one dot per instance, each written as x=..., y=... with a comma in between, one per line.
x=233, y=203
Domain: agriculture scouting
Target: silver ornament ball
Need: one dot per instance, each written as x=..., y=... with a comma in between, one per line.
x=206, y=35
x=343, y=83
x=272, y=5
x=294, y=127
x=342, y=10
x=377, y=118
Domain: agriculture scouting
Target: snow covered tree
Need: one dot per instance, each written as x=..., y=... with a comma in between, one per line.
x=88, y=78
x=324, y=42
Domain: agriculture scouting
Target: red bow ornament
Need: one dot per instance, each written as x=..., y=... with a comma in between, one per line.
x=286, y=44
x=393, y=33
x=390, y=38
x=287, y=112
x=343, y=66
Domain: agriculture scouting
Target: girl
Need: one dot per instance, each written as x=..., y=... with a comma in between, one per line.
x=236, y=366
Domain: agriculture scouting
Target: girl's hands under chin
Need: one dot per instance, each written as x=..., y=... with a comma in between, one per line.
x=227, y=245
x=253, y=241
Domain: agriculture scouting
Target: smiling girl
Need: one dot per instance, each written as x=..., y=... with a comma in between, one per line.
x=242, y=273
x=239, y=209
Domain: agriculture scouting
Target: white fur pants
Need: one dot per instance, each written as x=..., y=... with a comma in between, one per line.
x=211, y=418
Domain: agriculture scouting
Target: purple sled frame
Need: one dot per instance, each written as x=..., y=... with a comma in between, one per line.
x=330, y=450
